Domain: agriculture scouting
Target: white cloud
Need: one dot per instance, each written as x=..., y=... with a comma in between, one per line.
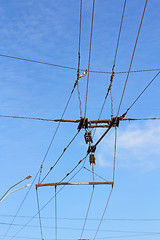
x=138, y=146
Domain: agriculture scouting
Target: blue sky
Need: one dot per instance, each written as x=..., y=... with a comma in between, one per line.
x=48, y=31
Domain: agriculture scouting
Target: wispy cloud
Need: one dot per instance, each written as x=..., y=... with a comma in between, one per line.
x=138, y=146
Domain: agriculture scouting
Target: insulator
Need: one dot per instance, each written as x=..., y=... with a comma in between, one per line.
x=88, y=137
x=92, y=158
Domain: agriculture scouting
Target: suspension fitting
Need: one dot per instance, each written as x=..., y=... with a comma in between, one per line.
x=91, y=149
x=88, y=137
x=92, y=158
x=83, y=123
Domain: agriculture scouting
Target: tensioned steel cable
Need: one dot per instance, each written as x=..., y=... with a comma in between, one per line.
x=87, y=229
x=103, y=214
x=90, y=47
x=72, y=68
x=132, y=58
x=124, y=236
x=91, y=219
x=55, y=212
x=119, y=35
x=96, y=174
x=88, y=205
x=28, y=118
x=115, y=148
x=57, y=127
x=142, y=92
x=60, y=156
x=114, y=62
x=79, y=50
x=47, y=202
x=39, y=215
x=115, y=144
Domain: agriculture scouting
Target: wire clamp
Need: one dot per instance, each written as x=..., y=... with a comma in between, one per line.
x=83, y=123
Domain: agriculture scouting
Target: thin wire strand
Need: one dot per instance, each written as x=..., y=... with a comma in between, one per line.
x=57, y=127
x=132, y=58
x=55, y=212
x=39, y=215
x=114, y=62
x=90, y=219
x=88, y=205
x=79, y=50
x=114, y=163
x=75, y=69
x=28, y=118
x=60, y=156
x=115, y=148
x=143, y=91
x=90, y=47
x=103, y=214
x=95, y=174
x=120, y=29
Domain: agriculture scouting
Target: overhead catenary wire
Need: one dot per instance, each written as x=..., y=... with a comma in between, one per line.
x=60, y=156
x=95, y=174
x=133, y=235
x=39, y=214
x=75, y=69
x=90, y=201
x=113, y=66
x=90, y=47
x=79, y=57
x=142, y=93
x=132, y=57
x=87, y=229
x=114, y=162
x=89, y=219
x=55, y=212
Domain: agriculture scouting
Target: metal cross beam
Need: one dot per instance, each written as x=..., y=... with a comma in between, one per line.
x=73, y=183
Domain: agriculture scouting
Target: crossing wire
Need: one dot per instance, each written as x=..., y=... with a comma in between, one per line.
x=133, y=235
x=79, y=48
x=114, y=62
x=85, y=220
x=55, y=212
x=73, y=68
x=115, y=144
x=87, y=229
x=132, y=57
x=39, y=215
x=90, y=47
x=28, y=118
x=91, y=219
x=46, y=203
x=95, y=174
x=142, y=93
x=60, y=156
